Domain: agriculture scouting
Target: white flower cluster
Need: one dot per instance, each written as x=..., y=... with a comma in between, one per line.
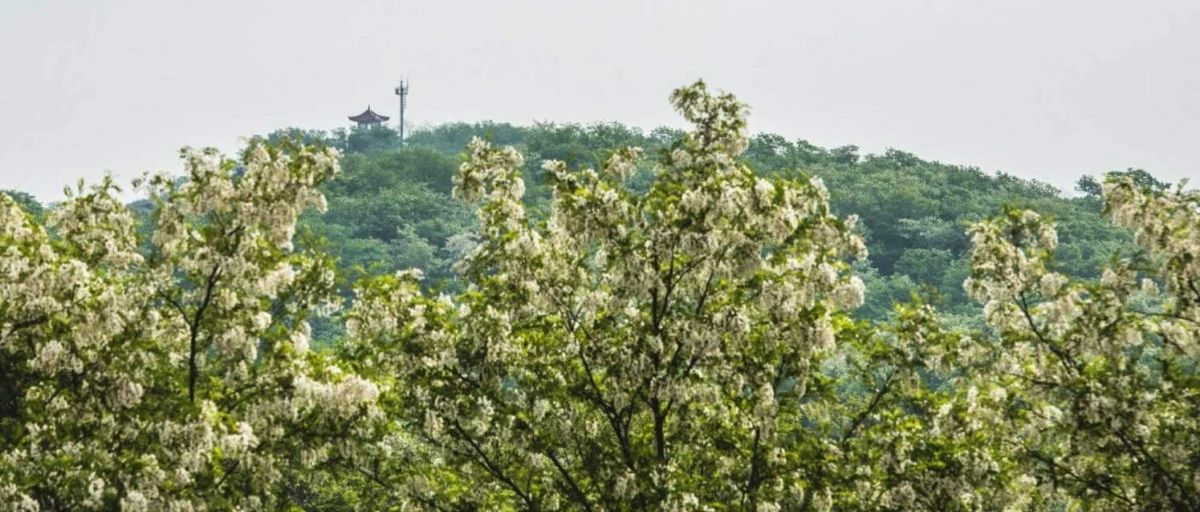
x=684, y=347
x=1099, y=385
x=668, y=332
x=175, y=379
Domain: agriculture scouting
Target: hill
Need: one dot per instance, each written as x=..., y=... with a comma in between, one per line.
x=391, y=207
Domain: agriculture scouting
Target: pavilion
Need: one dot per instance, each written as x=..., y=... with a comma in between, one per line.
x=368, y=118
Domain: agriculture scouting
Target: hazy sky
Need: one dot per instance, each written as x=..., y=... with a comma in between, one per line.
x=1042, y=89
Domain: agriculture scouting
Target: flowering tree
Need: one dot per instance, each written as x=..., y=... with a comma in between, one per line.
x=1083, y=395
x=176, y=378
x=630, y=350
x=1099, y=383
x=676, y=349
x=678, y=346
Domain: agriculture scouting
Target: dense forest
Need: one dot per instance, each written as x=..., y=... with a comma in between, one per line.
x=597, y=318
x=392, y=207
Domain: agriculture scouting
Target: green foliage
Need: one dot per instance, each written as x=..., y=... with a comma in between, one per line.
x=170, y=371
x=631, y=351
x=913, y=213
x=26, y=202
x=621, y=329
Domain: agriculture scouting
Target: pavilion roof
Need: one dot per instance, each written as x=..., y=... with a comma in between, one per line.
x=369, y=117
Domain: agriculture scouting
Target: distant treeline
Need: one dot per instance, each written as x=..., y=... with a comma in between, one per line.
x=391, y=208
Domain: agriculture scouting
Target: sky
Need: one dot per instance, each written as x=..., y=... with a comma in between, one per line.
x=1039, y=89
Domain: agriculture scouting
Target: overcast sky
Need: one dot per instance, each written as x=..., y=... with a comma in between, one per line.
x=1041, y=89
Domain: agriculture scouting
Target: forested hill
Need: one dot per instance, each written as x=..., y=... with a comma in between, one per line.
x=675, y=331
x=391, y=208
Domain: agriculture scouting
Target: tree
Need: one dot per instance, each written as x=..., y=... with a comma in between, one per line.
x=26, y=201
x=1099, y=379
x=1140, y=179
x=629, y=351
x=672, y=332
x=178, y=378
x=368, y=139
x=1089, y=186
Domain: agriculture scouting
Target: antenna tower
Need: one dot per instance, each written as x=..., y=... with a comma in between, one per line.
x=402, y=92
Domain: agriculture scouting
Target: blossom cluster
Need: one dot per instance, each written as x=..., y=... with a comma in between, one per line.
x=171, y=373
x=630, y=349
x=686, y=346
x=1098, y=378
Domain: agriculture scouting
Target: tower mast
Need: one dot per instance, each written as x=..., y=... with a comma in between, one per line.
x=402, y=92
